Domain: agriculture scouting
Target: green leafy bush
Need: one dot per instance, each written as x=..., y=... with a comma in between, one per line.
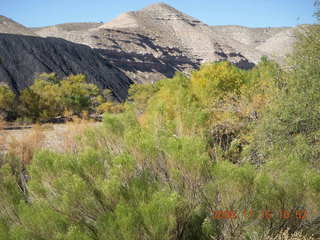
x=50, y=97
x=7, y=102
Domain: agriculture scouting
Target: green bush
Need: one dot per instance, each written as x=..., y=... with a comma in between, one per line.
x=50, y=97
x=7, y=102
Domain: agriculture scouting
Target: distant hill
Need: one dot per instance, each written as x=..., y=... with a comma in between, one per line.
x=143, y=46
x=9, y=26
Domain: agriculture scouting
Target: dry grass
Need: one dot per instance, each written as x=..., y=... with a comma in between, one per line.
x=67, y=137
x=26, y=145
x=286, y=236
x=23, y=143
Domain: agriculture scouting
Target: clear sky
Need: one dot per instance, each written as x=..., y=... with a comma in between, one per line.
x=251, y=13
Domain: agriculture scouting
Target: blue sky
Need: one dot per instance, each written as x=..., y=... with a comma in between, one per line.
x=251, y=13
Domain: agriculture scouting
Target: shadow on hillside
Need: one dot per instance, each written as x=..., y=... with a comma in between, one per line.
x=23, y=57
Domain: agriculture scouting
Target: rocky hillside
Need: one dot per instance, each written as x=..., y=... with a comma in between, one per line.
x=9, y=26
x=140, y=46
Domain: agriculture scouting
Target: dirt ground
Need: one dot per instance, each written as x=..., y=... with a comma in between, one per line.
x=58, y=137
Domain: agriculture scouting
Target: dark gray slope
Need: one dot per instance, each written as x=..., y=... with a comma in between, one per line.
x=22, y=57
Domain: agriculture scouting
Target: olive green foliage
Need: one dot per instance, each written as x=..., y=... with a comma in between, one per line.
x=179, y=150
x=7, y=101
x=49, y=97
x=288, y=135
x=293, y=118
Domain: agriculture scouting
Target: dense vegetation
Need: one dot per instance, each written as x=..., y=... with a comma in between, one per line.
x=246, y=142
x=49, y=98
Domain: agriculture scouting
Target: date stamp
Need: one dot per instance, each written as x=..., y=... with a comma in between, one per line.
x=263, y=214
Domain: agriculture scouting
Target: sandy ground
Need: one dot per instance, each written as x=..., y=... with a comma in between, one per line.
x=58, y=137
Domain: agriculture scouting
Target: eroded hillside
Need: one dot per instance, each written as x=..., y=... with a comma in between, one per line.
x=140, y=46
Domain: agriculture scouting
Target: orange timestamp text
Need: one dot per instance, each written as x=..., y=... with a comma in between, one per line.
x=264, y=214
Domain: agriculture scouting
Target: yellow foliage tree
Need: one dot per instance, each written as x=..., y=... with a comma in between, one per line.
x=216, y=80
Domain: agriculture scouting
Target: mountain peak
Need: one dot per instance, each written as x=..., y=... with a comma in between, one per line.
x=159, y=7
x=131, y=19
x=163, y=11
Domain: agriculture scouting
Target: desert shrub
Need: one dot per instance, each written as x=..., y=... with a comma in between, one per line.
x=6, y=97
x=285, y=140
x=293, y=116
x=262, y=83
x=13, y=191
x=76, y=94
x=110, y=107
x=50, y=97
x=7, y=102
x=90, y=206
x=215, y=80
x=41, y=100
x=141, y=93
